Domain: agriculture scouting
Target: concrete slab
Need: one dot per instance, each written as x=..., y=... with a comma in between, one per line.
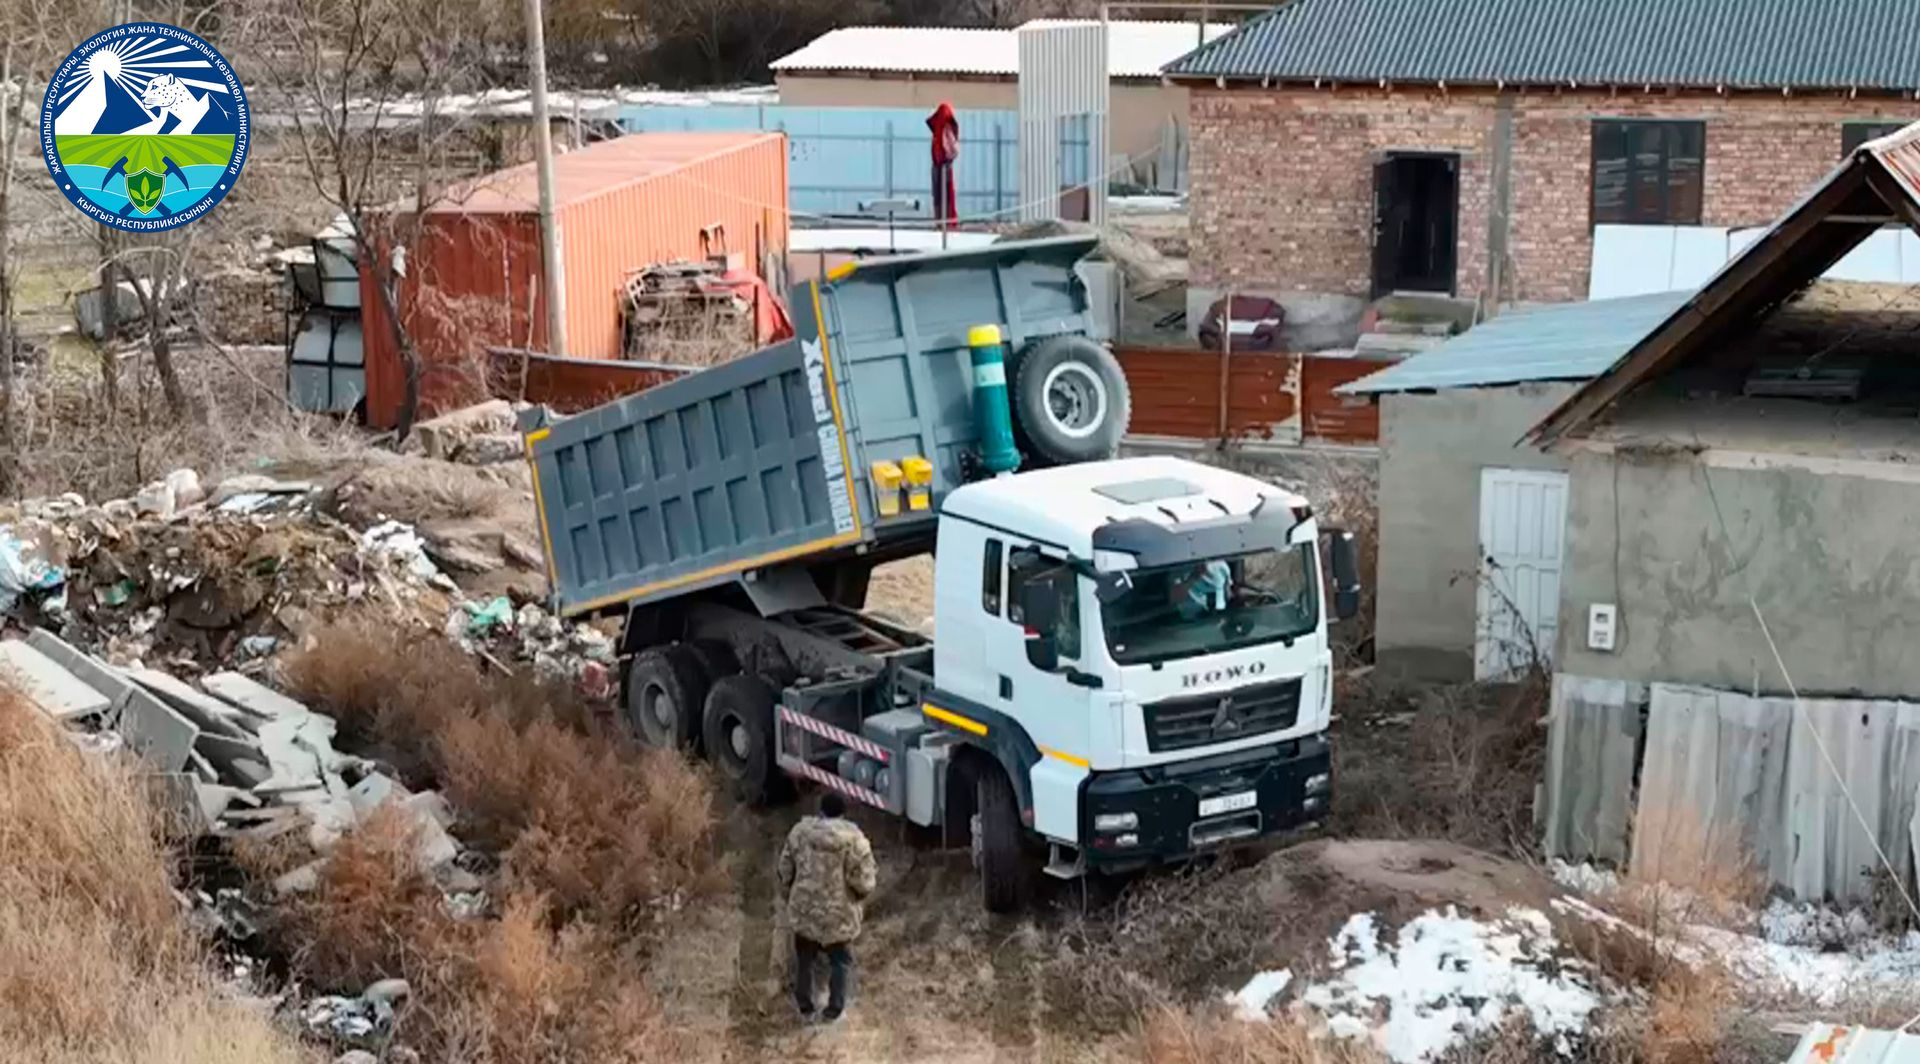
x=211, y=714
x=202, y=768
x=94, y=673
x=49, y=686
x=294, y=765
x=163, y=738
x=254, y=697
x=177, y=795
x=370, y=793
x=215, y=800
x=238, y=760
x=434, y=805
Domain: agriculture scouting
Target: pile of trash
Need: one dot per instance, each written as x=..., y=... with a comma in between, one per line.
x=191, y=581
x=180, y=577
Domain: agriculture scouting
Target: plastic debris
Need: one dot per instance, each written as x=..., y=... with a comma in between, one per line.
x=24, y=568
x=399, y=540
x=485, y=617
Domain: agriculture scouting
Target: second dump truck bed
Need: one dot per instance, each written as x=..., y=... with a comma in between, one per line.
x=769, y=458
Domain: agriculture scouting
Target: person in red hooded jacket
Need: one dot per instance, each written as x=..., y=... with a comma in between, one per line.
x=946, y=149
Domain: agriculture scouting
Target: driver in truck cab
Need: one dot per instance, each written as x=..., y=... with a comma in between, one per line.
x=1203, y=589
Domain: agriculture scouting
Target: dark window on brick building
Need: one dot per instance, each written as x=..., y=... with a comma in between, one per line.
x=1854, y=134
x=1647, y=173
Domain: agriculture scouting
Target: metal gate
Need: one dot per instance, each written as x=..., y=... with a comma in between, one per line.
x=1523, y=523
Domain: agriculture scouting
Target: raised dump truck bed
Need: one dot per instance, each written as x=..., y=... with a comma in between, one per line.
x=770, y=459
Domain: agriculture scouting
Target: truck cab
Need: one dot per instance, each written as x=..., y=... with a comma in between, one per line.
x=1140, y=647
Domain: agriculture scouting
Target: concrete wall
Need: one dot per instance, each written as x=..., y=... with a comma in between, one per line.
x=1433, y=448
x=1139, y=111
x=1830, y=555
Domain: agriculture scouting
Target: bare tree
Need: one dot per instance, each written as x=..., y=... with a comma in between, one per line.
x=12, y=121
x=364, y=88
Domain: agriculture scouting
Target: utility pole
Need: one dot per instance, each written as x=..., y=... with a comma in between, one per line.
x=543, y=153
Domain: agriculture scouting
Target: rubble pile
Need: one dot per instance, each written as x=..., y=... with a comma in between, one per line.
x=229, y=756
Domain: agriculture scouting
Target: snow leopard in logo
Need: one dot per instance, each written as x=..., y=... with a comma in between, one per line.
x=145, y=127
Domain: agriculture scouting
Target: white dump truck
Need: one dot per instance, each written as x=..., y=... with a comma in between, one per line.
x=1130, y=661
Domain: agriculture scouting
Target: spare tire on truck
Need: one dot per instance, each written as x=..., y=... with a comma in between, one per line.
x=666, y=691
x=1070, y=400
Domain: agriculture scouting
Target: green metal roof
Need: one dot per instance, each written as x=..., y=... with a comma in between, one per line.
x=1733, y=44
x=1556, y=342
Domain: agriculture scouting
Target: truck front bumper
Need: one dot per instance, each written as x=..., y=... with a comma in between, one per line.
x=1264, y=791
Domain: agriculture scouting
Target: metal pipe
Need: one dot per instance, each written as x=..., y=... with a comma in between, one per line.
x=552, y=269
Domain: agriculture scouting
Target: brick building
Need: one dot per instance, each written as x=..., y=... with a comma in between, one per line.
x=1347, y=148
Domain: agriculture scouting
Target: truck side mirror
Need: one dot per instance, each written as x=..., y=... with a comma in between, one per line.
x=1040, y=603
x=1043, y=651
x=1344, y=554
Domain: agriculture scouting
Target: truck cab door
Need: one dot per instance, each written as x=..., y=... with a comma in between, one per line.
x=1038, y=652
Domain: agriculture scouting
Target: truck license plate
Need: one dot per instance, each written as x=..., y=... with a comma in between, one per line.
x=1229, y=803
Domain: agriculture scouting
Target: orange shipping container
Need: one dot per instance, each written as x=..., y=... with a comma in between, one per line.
x=473, y=265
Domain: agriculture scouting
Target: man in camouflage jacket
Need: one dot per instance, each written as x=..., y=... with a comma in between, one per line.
x=826, y=871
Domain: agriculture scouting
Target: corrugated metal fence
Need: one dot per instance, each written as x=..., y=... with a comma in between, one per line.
x=1285, y=398
x=1733, y=770
x=1065, y=93
x=839, y=157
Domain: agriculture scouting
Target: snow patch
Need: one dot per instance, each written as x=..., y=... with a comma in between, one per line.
x=1584, y=877
x=1824, y=976
x=1445, y=978
x=1251, y=1002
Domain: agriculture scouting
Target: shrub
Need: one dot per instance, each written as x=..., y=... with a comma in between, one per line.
x=96, y=962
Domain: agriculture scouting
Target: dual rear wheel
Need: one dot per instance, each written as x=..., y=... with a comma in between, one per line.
x=693, y=697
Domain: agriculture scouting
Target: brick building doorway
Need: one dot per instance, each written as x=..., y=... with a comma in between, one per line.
x=1416, y=218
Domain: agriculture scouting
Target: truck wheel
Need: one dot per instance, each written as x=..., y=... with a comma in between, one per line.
x=739, y=738
x=666, y=688
x=1071, y=401
x=997, y=848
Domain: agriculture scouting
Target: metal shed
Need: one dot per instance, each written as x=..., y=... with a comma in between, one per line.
x=473, y=269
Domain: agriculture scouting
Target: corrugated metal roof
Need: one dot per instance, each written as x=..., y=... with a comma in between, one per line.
x=1866, y=44
x=1134, y=49
x=1830, y=1044
x=1564, y=341
x=591, y=171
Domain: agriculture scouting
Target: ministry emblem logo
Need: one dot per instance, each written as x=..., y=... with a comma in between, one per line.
x=144, y=127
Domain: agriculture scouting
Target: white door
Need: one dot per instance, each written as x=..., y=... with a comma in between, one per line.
x=1523, y=523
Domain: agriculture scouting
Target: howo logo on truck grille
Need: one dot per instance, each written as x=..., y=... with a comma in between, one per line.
x=832, y=462
x=1222, y=675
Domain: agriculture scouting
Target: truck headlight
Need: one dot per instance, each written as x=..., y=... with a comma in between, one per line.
x=1115, y=821
x=1127, y=840
x=1319, y=783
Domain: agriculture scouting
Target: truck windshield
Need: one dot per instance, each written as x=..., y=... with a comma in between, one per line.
x=1202, y=607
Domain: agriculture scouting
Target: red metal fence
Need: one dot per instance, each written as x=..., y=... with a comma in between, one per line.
x=1267, y=395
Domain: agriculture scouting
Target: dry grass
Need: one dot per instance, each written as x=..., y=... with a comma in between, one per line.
x=600, y=846
x=1460, y=765
x=73, y=438
x=96, y=962
x=1167, y=938
x=1682, y=876
x=1212, y=1036
x=601, y=830
x=522, y=987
